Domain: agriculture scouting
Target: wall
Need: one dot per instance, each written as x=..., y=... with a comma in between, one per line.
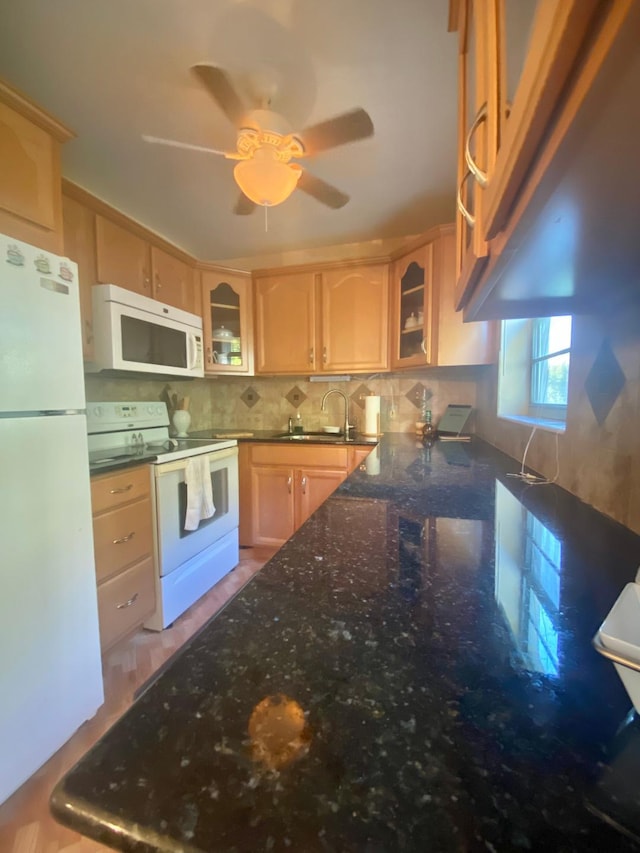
x=255, y=402
x=599, y=454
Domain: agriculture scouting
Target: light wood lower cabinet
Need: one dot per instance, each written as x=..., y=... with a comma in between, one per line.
x=357, y=456
x=281, y=486
x=123, y=546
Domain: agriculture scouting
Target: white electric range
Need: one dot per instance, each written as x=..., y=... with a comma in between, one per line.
x=188, y=562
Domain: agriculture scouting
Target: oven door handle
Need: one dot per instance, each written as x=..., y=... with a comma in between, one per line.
x=180, y=464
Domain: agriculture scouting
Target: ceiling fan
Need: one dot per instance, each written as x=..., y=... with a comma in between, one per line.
x=266, y=146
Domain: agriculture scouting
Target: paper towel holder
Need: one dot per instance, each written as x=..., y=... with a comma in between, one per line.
x=372, y=416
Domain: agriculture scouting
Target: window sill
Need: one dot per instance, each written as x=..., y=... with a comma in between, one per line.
x=540, y=423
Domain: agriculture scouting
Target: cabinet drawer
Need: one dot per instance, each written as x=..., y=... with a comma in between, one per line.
x=109, y=490
x=312, y=456
x=125, y=601
x=121, y=537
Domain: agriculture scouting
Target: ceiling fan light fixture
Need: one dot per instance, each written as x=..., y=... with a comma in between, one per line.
x=265, y=179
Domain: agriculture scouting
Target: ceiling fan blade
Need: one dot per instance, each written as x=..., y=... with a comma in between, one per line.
x=244, y=206
x=158, y=140
x=321, y=190
x=347, y=127
x=219, y=87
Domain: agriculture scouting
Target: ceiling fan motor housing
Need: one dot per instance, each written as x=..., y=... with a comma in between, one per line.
x=283, y=147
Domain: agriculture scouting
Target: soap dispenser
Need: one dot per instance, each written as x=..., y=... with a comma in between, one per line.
x=298, y=426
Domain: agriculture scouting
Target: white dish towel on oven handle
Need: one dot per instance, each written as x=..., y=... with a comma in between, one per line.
x=199, y=493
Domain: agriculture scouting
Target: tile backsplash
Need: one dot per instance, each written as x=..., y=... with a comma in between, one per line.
x=257, y=402
x=598, y=456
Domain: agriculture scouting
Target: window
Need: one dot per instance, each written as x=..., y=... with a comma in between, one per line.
x=534, y=370
x=550, y=347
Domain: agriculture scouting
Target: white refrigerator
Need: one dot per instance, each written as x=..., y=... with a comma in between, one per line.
x=50, y=668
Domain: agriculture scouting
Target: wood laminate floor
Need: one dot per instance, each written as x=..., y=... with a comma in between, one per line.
x=25, y=823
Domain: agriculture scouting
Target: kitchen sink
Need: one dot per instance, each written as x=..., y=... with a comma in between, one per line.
x=326, y=437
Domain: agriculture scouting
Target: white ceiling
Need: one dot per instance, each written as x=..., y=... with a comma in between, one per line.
x=113, y=70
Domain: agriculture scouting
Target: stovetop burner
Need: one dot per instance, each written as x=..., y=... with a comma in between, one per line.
x=138, y=432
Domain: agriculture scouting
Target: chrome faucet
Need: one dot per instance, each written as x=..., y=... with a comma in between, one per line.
x=347, y=425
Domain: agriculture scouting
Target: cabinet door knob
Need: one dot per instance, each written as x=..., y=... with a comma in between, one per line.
x=289, y=483
x=311, y=355
x=324, y=354
x=303, y=483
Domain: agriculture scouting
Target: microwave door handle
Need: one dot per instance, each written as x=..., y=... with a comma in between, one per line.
x=191, y=351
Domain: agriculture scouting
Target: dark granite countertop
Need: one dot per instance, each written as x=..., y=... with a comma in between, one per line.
x=125, y=460
x=282, y=436
x=412, y=671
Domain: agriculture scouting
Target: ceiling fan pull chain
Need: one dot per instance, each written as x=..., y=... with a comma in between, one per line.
x=266, y=222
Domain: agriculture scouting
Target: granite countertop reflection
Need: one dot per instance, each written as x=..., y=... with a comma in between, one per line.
x=412, y=671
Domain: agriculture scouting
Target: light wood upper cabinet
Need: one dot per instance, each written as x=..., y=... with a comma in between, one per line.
x=355, y=318
x=286, y=323
x=80, y=246
x=412, y=308
x=30, y=198
x=123, y=258
x=426, y=328
x=538, y=46
x=227, y=315
x=172, y=280
x=324, y=320
x=476, y=22
x=454, y=341
x=536, y=169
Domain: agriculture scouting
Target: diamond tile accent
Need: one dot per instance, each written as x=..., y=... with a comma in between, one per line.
x=604, y=382
x=296, y=397
x=359, y=394
x=250, y=397
x=417, y=394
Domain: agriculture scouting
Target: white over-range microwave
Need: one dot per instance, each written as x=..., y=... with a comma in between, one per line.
x=132, y=332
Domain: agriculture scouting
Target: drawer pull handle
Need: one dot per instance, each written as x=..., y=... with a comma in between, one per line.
x=324, y=355
x=124, y=538
x=121, y=490
x=289, y=482
x=128, y=603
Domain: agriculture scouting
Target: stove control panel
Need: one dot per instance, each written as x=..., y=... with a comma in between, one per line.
x=110, y=417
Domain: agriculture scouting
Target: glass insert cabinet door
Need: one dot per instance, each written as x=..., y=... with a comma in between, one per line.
x=226, y=304
x=412, y=283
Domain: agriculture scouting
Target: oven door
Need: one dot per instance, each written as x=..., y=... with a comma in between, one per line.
x=175, y=545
